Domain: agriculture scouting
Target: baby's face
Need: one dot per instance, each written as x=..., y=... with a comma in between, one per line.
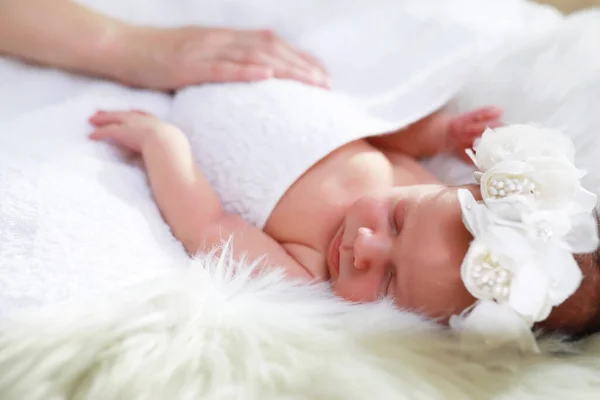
x=408, y=244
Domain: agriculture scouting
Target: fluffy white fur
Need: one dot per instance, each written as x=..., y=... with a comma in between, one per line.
x=204, y=332
x=209, y=334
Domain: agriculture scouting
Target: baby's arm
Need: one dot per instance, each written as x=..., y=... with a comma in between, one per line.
x=186, y=199
x=440, y=132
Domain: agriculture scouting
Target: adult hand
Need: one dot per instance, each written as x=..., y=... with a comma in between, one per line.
x=172, y=58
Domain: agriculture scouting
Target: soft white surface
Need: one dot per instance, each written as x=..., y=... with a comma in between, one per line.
x=204, y=334
x=376, y=64
x=552, y=80
x=252, y=142
x=74, y=216
x=77, y=219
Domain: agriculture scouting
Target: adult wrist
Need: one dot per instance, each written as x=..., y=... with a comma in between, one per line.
x=118, y=52
x=137, y=59
x=64, y=34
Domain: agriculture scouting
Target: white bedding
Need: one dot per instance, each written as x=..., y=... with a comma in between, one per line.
x=78, y=219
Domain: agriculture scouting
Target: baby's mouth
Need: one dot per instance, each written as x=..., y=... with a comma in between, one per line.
x=333, y=258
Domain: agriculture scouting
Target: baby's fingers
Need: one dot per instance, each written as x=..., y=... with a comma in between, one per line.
x=106, y=132
x=120, y=135
x=483, y=114
x=475, y=130
x=102, y=118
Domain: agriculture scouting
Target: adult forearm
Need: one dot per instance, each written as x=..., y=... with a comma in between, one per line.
x=64, y=34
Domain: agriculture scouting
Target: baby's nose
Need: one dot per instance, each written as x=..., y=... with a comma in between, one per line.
x=370, y=249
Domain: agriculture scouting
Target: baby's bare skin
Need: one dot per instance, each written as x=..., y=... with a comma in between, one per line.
x=310, y=214
x=378, y=164
x=367, y=217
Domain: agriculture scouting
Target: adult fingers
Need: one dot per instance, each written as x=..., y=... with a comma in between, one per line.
x=315, y=62
x=226, y=71
x=302, y=62
x=281, y=68
x=291, y=63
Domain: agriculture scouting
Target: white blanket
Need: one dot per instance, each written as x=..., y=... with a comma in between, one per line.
x=76, y=218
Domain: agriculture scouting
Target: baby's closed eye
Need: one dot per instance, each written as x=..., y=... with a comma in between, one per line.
x=390, y=283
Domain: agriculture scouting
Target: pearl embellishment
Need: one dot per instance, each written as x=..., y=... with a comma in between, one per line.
x=502, y=187
x=489, y=277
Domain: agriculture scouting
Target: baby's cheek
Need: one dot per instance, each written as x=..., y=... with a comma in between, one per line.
x=434, y=253
x=438, y=292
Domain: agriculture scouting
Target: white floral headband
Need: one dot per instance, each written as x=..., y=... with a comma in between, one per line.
x=533, y=217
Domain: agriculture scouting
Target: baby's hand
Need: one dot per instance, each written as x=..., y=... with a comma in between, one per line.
x=464, y=129
x=130, y=129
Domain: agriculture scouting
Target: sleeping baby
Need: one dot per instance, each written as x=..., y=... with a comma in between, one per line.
x=366, y=216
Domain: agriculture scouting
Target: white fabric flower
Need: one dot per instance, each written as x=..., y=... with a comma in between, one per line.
x=576, y=233
x=534, y=215
x=476, y=216
x=511, y=188
x=583, y=237
x=494, y=258
x=502, y=265
x=494, y=325
x=521, y=143
x=562, y=271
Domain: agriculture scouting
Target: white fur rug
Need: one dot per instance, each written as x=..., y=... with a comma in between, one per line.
x=205, y=334
x=202, y=333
